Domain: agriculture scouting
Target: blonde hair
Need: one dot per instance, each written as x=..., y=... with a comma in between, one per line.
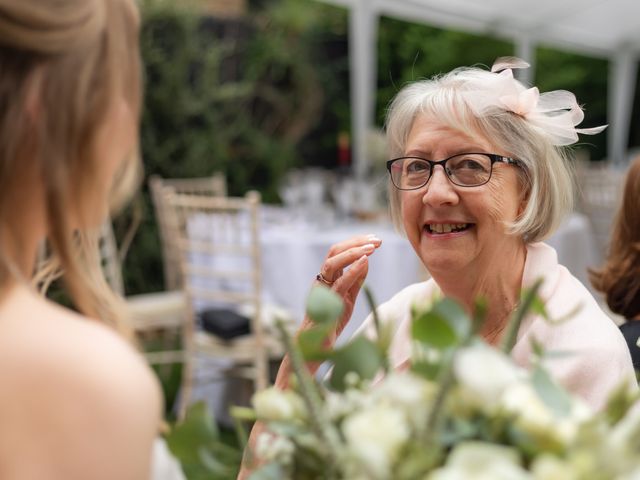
x=84, y=56
x=546, y=177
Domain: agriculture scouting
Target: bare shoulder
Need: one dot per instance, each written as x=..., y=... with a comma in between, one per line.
x=75, y=396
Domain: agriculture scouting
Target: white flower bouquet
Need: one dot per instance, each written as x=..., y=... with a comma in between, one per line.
x=461, y=410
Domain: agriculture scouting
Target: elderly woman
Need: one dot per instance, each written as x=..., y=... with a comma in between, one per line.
x=478, y=178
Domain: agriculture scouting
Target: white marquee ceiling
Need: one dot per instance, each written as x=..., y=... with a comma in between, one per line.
x=595, y=27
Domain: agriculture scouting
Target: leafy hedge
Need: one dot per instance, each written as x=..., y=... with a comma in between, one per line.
x=251, y=97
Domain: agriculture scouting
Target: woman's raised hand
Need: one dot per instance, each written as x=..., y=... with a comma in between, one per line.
x=345, y=269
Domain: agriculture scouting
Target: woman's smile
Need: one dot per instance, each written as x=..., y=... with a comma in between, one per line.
x=446, y=229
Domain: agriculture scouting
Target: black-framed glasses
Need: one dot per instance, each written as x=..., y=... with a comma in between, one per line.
x=464, y=169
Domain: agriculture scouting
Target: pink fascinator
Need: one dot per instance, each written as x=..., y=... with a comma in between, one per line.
x=555, y=113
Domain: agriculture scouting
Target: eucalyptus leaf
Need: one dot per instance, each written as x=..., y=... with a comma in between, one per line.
x=360, y=356
x=619, y=403
x=197, y=429
x=211, y=463
x=427, y=370
x=551, y=394
x=528, y=297
x=324, y=305
x=271, y=471
x=444, y=326
x=536, y=347
x=538, y=307
x=312, y=342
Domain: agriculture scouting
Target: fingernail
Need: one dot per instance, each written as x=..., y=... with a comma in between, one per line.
x=373, y=238
x=369, y=247
x=362, y=259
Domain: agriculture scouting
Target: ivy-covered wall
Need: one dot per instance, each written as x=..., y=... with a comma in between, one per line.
x=251, y=97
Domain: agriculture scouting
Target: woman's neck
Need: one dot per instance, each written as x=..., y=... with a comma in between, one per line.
x=26, y=228
x=498, y=283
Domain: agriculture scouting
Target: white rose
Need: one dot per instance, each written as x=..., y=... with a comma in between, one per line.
x=405, y=389
x=532, y=415
x=483, y=374
x=548, y=467
x=569, y=426
x=481, y=461
x=625, y=433
x=412, y=394
x=633, y=475
x=270, y=448
x=536, y=418
x=374, y=437
x=277, y=405
x=339, y=405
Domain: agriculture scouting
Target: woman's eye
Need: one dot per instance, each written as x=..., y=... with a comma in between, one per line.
x=470, y=164
x=417, y=167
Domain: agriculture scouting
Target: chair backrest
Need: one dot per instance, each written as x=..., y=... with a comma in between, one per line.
x=213, y=186
x=599, y=193
x=110, y=257
x=217, y=239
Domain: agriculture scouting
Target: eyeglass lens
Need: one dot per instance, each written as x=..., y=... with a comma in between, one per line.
x=466, y=170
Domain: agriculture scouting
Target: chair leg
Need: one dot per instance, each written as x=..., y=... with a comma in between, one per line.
x=186, y=387
x=262, y=370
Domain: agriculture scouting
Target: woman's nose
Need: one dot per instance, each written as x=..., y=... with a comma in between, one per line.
x=439, y=189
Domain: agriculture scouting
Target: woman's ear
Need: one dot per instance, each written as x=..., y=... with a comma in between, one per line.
x=524, y=201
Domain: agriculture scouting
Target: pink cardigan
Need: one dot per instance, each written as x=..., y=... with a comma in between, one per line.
x=599, y=358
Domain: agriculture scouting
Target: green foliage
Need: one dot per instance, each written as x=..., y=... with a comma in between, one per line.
x=409, y=52
x=199, y=446
x=360, y=357
x=312, y=340
x=199, y=108
x=587, y=78
x=442, y=409
x=324, y=305
x=443, y=326
x=557, y=399
x=237, y=96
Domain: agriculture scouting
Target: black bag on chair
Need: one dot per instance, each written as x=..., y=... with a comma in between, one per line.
x=224, y=323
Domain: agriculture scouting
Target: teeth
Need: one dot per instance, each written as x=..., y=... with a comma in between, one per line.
x=447, y=227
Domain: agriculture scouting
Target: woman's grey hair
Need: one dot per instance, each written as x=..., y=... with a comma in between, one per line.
x=546, y=176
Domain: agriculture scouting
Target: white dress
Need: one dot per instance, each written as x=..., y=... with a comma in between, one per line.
x=164, y=466
x=599, y=359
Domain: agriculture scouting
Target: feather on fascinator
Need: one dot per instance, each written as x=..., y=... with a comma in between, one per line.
x=555, y=113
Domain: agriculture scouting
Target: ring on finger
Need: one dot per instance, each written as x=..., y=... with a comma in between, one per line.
x=321, y=278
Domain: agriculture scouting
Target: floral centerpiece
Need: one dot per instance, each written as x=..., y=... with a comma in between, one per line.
x=461, y=410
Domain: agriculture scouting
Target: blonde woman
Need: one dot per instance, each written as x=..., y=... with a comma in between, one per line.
x=77, y=402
